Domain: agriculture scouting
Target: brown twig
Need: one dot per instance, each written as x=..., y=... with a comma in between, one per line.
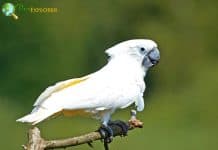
x=36, y=142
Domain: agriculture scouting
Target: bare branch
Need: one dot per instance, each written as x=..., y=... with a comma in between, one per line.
x=87, y=138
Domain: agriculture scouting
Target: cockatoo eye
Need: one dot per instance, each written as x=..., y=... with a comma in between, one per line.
x=142, y=50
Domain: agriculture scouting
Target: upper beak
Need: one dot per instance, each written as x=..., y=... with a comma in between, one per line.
x=154, y=56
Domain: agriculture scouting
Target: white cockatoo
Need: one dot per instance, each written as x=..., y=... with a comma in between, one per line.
x=118, y=84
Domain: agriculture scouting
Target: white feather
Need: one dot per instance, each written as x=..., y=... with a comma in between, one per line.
x=37, y=115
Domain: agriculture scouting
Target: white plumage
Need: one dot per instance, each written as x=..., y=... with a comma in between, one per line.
x=118, y=84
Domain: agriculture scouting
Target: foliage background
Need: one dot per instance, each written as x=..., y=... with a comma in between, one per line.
x=181, y=98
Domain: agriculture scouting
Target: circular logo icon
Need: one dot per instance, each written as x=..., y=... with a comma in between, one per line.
x=8, y=9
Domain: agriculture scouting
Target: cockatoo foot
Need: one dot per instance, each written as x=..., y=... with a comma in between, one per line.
x=135, y=123
x=106, y=132
x=120, y=124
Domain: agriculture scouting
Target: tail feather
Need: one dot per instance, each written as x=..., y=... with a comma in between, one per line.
x=36, y=116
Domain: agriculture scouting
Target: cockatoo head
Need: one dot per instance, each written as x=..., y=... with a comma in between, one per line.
x=143, y=51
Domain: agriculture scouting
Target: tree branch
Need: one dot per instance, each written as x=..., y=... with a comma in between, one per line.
x=36, y=142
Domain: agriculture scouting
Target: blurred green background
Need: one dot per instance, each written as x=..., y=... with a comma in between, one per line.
x=38, y=50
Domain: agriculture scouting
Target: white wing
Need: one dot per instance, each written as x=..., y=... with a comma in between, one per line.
x=39, y=112
x=57, y=87
x=100, y=91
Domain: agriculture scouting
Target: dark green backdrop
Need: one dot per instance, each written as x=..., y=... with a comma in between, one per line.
x=181, y=99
